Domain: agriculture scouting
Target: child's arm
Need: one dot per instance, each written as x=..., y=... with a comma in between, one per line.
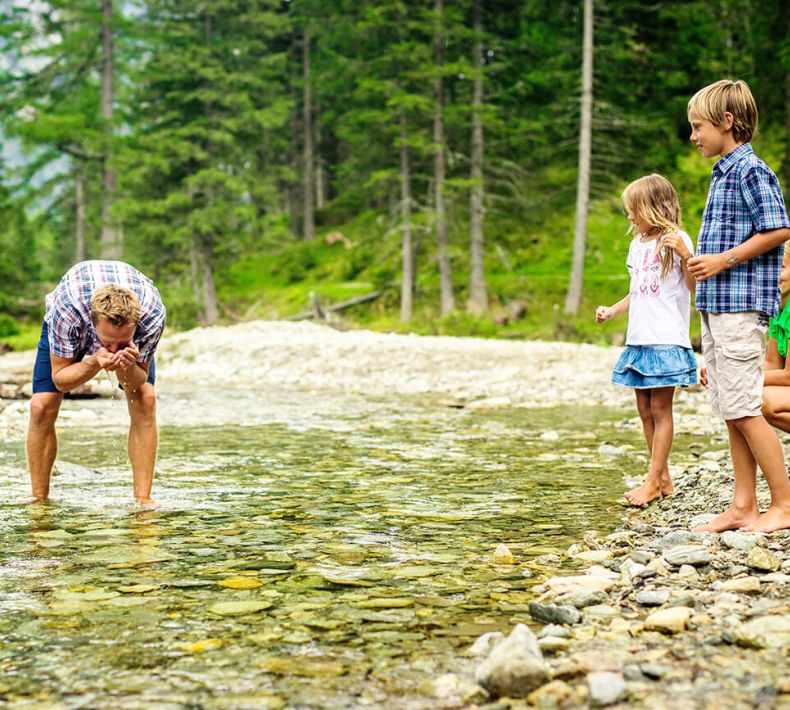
x=675, y=242
x=703, y=267
x=605, y=313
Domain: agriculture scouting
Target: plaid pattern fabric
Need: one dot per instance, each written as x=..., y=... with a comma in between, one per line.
x=68, y=317
x=744, y=198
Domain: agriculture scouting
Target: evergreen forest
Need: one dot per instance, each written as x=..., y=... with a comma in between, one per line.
x=438, y=166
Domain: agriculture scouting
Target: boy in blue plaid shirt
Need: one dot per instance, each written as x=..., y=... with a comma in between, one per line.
x=739, y=257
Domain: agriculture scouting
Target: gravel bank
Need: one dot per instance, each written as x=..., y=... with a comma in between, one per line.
x=319, y=358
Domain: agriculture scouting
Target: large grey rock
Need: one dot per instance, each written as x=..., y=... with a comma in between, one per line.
x=554, y=614
x=687, y=555
x=764, y=632
x=642, y=557
x=675, y=538
x=583, y=598
x=763, y=560
x=652, y=597
x=738, y=540
x=631, y=569
x=515, y=667
x=741, y=585
x=556, y=631
x=605, y=688
x=484, y=644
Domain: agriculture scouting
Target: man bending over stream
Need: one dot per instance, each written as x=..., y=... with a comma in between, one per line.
x=104, y=315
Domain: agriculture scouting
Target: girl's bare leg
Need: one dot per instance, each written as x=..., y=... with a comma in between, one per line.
x=655, y=410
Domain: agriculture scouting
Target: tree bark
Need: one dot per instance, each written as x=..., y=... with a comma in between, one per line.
x=574, y=296
x=478, y=298
x=110, y=240
x=407, y=255
x=320, y=185
x=307, y=127
x=194, y=273
x=206, y=242
x=210, y=309
x=293, y=191
x=442, y=240
x=79, y=198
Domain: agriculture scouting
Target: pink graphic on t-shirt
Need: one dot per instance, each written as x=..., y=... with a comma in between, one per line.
x=647, y=277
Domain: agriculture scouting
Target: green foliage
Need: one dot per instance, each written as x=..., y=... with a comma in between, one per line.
x=209, y=145
x=8, y=325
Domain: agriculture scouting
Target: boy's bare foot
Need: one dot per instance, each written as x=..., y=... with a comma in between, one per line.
x=773, y=519
x=730, y=519
x=649, y=491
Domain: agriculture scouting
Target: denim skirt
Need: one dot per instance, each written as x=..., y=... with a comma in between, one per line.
x=650, y=366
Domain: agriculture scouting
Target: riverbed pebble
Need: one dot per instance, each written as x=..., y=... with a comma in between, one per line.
x=515, y=667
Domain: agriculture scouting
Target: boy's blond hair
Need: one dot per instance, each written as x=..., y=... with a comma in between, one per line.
x=116, y=304
x=653, y=200
x=725, y=96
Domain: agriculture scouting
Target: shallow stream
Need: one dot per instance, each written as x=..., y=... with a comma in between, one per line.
x=312, y=551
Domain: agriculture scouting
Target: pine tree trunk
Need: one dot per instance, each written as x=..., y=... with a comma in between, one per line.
x=307, y=127
x=478, y=299
x=79, y=198
x=574, y=296
x=110, y=240
x=320, y=189
x=210, y=307
x=194, y=273
x=407, y=256
x=293, y=190
x=442, y=239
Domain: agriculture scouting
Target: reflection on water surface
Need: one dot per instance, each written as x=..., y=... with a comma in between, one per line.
x=313, y=551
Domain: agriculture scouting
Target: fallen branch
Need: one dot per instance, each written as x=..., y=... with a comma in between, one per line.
x=318, y=311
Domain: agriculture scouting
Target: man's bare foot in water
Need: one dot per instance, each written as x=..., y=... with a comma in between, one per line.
x=145, y=504
x=652, y=489
x=773, y=519
x=731, y=519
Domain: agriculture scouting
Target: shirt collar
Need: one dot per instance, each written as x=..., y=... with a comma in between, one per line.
x=725, y=163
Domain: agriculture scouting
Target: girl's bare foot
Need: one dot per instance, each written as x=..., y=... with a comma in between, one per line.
x=773, y=519
x=649, y=491
x=731, y=519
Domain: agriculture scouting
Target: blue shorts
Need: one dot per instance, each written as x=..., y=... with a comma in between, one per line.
x=42, y=371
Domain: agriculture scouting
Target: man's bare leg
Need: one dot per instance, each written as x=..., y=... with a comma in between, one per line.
x=42, y=441
x=655, y=410
x=743, y=510
x=143, y=441
x=767, y=450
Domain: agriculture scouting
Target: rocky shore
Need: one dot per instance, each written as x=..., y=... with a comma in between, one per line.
x=656, y=617
x=652, y=617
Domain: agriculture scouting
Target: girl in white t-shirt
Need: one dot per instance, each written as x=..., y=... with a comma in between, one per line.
x=658, y=355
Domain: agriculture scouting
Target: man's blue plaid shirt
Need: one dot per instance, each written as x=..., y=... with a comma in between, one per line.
x=744, y=199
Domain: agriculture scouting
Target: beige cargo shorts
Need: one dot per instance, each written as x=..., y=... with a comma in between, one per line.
x=733, y=346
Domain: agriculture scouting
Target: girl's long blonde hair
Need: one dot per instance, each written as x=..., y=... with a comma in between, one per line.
x=653, y=200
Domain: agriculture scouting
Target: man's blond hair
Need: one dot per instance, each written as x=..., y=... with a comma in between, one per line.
x=725, y=96
x=116, y=304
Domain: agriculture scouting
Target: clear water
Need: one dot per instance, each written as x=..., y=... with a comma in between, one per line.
x=364, y=529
